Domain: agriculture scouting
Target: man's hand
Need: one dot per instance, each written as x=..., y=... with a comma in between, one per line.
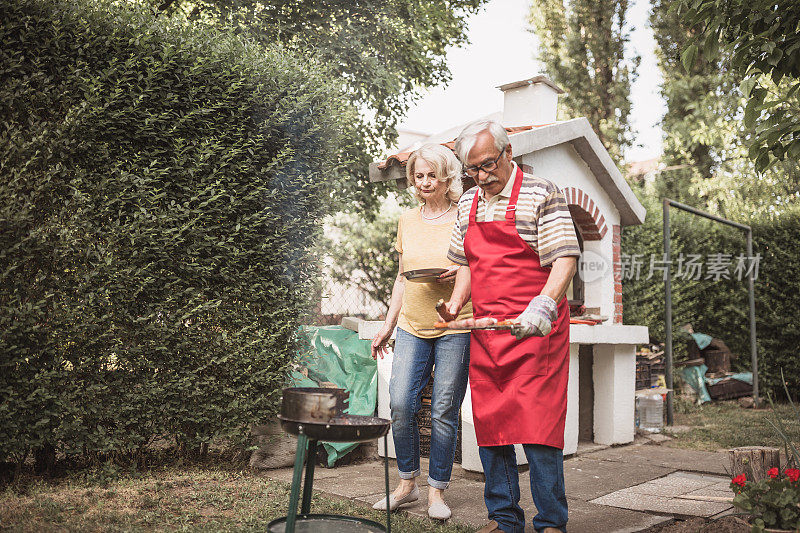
x=537, y=319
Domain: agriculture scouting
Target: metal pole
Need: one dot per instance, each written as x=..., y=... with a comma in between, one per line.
x=752, y=297
x=386, y=478
x=305, y=507
x=709, y=216
x=668, y=312
x=300, y=456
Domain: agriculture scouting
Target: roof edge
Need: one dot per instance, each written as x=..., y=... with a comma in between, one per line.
x=580, y=134
x=530, y=81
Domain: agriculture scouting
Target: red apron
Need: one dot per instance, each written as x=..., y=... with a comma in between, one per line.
x=519, y=387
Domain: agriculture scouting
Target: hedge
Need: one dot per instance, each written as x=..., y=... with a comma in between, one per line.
x=161, y=190
x=720, y=307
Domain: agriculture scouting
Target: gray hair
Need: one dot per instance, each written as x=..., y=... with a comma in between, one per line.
x=445, y=166
x=468, y=136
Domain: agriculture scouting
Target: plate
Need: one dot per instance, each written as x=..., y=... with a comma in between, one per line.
x=423, y=275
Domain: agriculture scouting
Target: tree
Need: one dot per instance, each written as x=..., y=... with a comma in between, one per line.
x=705, y=141
x=760, y=42
x=582, y=46
x=384, y=52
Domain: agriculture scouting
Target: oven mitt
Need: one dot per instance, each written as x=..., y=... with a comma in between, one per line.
x=537, y=319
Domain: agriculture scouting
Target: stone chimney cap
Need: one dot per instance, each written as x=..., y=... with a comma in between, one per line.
x=530, y=81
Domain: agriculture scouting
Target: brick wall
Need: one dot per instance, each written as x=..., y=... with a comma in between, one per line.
x=586, y=214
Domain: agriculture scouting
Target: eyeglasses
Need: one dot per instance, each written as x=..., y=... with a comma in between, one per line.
x=472, y=171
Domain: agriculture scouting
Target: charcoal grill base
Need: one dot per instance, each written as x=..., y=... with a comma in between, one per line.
x=300, y=520
x=327, y=523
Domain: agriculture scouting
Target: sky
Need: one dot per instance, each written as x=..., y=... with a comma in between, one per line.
x=499, y=39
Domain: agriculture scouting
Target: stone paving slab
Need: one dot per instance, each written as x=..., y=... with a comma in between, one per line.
x=705, y=478
x=587, y=479
x=720, y=490
x=675, y=494
x=688, y=478
x=587, y=517
x=628, y=499
x=666, y=457
x=655, y=488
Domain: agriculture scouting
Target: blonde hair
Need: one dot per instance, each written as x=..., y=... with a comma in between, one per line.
x=446, y=168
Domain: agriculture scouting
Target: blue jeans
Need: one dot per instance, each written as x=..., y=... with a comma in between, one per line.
x=414, y=358
x=501, y=492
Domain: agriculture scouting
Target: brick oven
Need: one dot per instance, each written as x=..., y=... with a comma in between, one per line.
x=600, y=406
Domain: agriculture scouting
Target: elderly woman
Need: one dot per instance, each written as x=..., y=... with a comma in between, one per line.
x=423, y=238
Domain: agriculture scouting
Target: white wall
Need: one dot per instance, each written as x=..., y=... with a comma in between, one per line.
x=563, y=166
x=571, y=427
x=614, y=378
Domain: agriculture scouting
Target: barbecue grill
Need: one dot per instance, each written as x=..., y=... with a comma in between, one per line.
x=314, y=414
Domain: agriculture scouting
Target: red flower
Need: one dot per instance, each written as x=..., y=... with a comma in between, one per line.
x=773, y=472
x=792, y=473
x=740, y=480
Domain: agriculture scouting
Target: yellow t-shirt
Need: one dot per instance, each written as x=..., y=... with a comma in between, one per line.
x=424, y=245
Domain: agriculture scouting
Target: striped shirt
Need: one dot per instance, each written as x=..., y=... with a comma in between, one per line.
x=542, y=218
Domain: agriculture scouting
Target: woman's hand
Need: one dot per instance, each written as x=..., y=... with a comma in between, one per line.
x=449, y=276
x=379, y=342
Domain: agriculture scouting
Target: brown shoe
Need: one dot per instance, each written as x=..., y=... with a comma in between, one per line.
x=488, y=528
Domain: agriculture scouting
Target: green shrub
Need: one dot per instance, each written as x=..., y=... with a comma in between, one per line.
x=161, y=190
x=720, y=308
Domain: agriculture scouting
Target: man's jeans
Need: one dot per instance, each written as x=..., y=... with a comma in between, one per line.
x=414, y=358
x=501, y=491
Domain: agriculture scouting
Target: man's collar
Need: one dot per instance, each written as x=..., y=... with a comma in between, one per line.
x=509, y=187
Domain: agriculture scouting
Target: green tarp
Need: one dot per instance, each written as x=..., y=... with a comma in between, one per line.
x=694, y=376
x=336, y=355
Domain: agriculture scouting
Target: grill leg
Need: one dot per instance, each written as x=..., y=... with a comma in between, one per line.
x=386, y=478
x=305, y=508
x=291, y=515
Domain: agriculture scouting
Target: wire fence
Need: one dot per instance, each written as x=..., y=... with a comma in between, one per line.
x=339, y=300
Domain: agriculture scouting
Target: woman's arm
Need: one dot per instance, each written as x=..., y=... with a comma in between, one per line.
x=395, y=303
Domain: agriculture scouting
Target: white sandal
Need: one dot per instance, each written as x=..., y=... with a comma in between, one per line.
x=394, y=503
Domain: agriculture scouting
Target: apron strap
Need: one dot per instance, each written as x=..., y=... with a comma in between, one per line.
x=512, y=201
x=474, y=209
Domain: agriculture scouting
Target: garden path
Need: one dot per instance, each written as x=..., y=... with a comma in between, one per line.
x=619, y=489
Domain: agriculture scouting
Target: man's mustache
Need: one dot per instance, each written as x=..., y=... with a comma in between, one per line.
x=488, y=180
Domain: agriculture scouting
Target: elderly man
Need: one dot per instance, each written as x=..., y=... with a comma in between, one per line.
x=515, y=239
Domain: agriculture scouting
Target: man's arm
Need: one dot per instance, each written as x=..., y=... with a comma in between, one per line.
x=542, y=312
x=561, y=275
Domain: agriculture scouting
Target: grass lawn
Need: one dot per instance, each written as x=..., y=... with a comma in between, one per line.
x=717, y=425
x=187, y=499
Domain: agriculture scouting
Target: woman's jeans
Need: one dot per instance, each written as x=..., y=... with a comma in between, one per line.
x=414, y=358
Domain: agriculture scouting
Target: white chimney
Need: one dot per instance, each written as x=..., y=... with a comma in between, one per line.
x=530, y=102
